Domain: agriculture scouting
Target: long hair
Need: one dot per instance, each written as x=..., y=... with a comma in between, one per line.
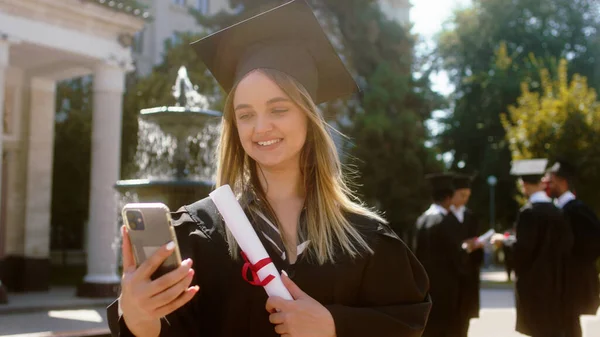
x=328, y=197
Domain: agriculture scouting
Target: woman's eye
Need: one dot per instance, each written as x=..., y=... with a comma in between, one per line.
x=280, y=110
x=244, y=116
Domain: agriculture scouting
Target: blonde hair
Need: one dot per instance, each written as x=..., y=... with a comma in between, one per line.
x=328, y=197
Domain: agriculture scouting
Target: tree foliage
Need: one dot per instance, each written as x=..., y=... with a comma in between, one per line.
x=71, y=164
x=387, y=129
x=555, y=117
x=485, y=86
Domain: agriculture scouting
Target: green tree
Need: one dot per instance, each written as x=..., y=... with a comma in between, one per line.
x=557, y=118
x=468, y=51
x=387, y=127
x=71, y=164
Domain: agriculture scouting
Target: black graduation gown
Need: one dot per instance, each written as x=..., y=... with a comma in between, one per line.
x=582, y=276
x=475, y=260
x=383, y=294
x=543, y=242
x=439, y=248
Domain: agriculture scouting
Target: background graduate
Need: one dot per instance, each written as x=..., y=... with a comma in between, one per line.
x=543, y=242
x=462, y=194
x=350, y=274
x=583, y=285
x=438, y=245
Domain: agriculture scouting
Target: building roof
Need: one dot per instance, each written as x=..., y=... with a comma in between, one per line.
x=131, y=7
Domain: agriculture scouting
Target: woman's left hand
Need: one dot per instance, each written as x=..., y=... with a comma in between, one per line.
x=302, y=317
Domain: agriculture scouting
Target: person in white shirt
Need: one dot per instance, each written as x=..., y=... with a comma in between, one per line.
x=438, y=246
x=583, y=289
x=462, y=193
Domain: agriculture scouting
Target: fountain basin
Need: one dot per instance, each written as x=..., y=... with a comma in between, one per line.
x=172, y=192
x=179, y=122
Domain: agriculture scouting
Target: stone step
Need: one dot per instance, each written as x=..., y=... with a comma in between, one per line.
x=100, y=332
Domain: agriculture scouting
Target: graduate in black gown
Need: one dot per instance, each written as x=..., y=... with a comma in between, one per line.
x=462, y=194
x=438, y=245
x=583, y=286
x=543, y=241
x=349, y=273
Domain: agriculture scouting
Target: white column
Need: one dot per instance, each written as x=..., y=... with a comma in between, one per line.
x=39, y=168
x=109, y=83
x=3, y=68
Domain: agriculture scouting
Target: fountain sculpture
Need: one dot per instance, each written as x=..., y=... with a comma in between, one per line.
x=176, y=179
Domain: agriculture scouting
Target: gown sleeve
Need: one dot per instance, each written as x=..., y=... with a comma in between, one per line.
x=475, y=257
x=394, y=294
x=586, y=230
x=194, y=318
x=525, y=244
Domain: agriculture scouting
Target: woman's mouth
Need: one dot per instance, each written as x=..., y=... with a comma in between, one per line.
x=269, y=142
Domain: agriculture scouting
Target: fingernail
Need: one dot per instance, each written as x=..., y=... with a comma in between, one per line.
x=187, y=262
x=170, y=245
x=284, y=273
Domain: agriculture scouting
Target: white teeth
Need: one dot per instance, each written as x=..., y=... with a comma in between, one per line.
x=270, y=142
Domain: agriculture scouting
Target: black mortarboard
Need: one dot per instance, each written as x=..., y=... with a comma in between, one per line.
x=530, y=170
x=563, y=169
x=441, y=181
x=462, y=181
x=287, y=38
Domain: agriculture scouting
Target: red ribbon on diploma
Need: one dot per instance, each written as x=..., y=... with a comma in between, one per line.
x=254, y=268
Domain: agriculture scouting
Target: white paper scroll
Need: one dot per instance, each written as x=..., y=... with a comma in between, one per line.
x=486, y=236
x=246, y=237
x=482, y=238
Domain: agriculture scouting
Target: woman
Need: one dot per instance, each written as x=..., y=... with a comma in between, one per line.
x=349, y=274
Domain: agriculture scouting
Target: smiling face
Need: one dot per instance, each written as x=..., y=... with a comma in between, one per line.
x=272, y=128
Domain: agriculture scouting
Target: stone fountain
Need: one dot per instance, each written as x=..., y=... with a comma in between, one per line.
x=175, y=151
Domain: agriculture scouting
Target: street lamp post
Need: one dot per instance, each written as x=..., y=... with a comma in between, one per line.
x=492, y=181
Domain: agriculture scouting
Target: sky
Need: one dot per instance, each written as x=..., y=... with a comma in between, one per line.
x=427, y=17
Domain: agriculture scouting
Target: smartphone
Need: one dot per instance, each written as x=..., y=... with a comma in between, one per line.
x=150, y=227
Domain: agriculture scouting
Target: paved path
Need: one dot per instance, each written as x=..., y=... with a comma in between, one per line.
x=497, y=317
x=55, y=320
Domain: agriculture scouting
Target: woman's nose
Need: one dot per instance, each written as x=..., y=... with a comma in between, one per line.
x=263, y=124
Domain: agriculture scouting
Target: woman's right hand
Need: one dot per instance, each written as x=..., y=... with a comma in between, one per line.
x=143, y=301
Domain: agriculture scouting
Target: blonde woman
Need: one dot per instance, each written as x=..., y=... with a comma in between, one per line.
x=349, y=274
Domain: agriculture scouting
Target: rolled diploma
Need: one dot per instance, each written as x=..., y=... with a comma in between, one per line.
x=482, y=238
x=246, y=237
x=486, y=236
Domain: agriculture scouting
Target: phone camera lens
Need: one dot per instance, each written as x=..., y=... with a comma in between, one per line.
x=135, y=220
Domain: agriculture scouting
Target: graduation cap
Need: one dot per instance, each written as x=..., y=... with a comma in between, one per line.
x=530, y=170
x=287, y=38
x=461, y=181
x=441, y=181
x=563, y=169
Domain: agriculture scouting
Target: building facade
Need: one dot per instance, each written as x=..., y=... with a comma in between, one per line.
x=168, y=18
x=43, y=42
x=398, y=10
